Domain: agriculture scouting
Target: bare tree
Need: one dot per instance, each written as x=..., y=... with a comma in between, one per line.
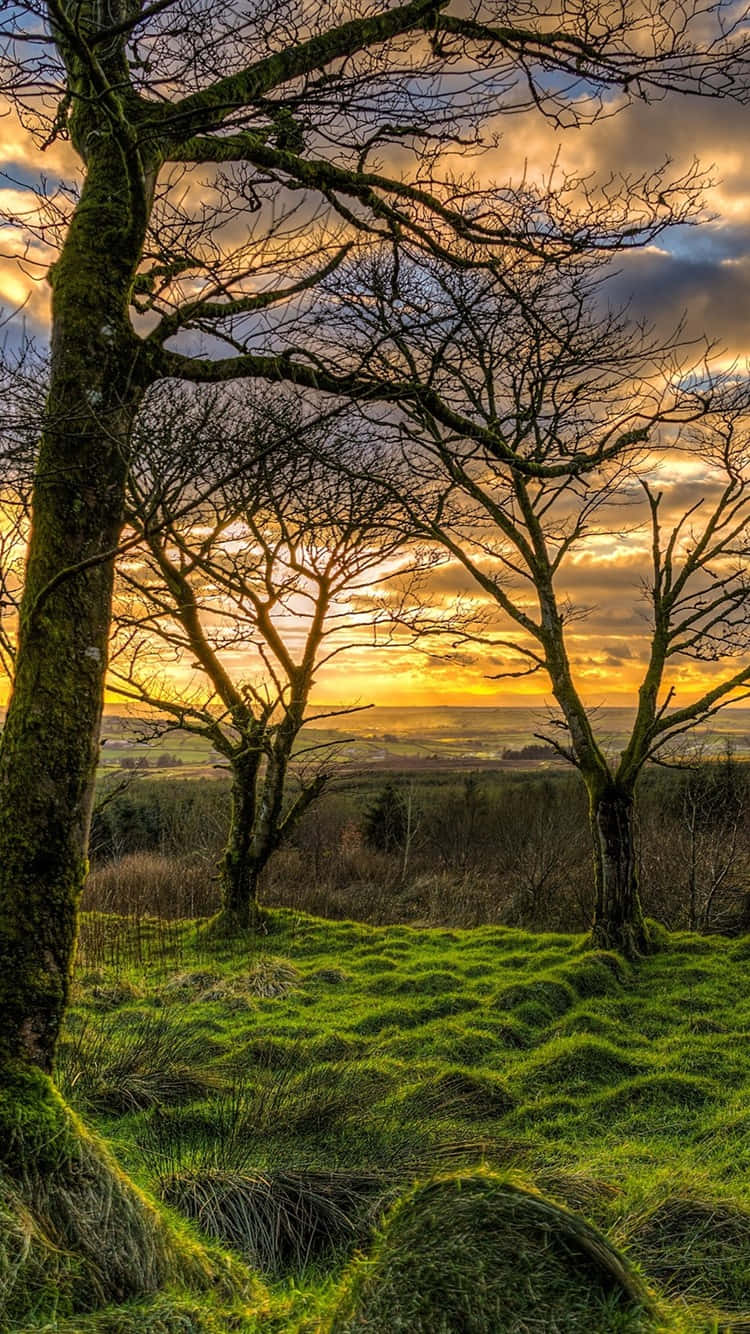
x=259, y=574
x=561, y=381
x=290, y=107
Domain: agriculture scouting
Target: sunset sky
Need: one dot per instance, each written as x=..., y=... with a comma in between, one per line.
x=702, y=272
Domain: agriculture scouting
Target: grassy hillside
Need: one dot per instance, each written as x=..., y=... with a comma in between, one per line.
x=284, y=1097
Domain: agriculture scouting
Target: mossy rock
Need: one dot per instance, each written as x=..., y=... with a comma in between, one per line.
x=473, y=1253
x=696, y=1245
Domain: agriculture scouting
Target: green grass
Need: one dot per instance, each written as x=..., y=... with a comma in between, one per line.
x=285, y=1095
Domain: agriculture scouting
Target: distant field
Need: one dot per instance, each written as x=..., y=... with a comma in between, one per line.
x=384, y=738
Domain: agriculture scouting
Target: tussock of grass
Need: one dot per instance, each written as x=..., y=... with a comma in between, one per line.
x=541, y=998
x=576, y=1063
x=597, y=973
x=578, y=1190
x=108, y=996
x=414, y=1015
x=586, y=1019
x=458, y=1043
x=661, y=1092
x=697, y=1246
x=459, y=1093
x=477, y=1254
x=270, y=977
x=333, y=977
x=108, y=1068
x=278, y=1220
x=166, y=1313
x=230, y=1124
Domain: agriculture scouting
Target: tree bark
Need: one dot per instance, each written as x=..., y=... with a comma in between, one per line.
x=49, y=747
x=239, y=867
x=254, y=834
x=257, y=826
x=618, y=918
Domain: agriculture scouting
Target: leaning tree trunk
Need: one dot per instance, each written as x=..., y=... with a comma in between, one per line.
x=49, y=745
x=618, y=918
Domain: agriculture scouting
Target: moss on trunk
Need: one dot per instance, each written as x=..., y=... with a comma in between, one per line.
x=239, y=867
x=49, y=746
x=618, y=923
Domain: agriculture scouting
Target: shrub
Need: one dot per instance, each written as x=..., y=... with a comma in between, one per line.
x=149, y=883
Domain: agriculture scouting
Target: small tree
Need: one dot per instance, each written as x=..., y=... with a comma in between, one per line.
x=715, y=799
x=384, y=821
x=259, y=574
x=555, y=381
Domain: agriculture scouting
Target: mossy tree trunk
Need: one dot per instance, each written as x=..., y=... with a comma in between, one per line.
x=258, y=823
x=239, y=872
x=98, y=375
x=49, y=746
x=618, y=917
